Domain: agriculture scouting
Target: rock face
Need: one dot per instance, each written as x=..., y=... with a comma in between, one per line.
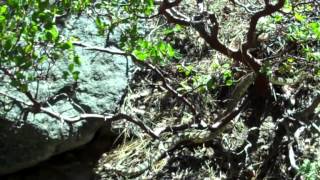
x=27, y=139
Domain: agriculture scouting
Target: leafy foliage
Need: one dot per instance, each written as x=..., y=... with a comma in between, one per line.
x=159, y=53
x=310, y=170
x=303, y=28
x=127, y=14
x=31, y=41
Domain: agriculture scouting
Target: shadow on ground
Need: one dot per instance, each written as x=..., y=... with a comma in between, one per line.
x=78, y=164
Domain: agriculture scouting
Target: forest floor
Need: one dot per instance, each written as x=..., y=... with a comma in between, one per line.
x=270, y=146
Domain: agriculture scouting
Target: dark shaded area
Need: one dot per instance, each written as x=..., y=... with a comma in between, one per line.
x=78, y=164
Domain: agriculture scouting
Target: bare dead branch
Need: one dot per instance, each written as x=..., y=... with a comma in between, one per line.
x=220, y=122
x=107, y=118
x=114, y=51
x=315, y=127
x=174, y=16
x=292, y=158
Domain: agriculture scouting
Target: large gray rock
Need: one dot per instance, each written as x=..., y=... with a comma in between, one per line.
x=27, y=139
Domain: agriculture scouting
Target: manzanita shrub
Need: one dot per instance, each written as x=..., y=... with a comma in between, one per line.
x=30, y=40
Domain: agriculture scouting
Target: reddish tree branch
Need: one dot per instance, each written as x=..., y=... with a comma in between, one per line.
x=168, y=5
x=268, y=10
x=210, y=34
x=201, y=26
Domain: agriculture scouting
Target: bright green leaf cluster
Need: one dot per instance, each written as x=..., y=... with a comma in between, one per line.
x=310, y=170
x=126, y=14
x=159, y=52
x=186, y=70
x=225, y=71
x=301, y=28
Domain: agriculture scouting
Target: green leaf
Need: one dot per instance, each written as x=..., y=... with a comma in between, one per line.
x=227, y=74
x=13, y=3
x=299, y=17
x=45, y=17
x=167, y=31
x=56, y=55
x=315, y=56
x=229, y=82
x=3, y=9
x=142, y=56
x=188, y=70
x=277, y=18
x=8, y=44
x=19, y=75
x=150, y=6
x=291, y=60
x=34, y=28
x=315, y=28
x=42, y=59
x=65, y=74
x=75, y=75
x=14, y=83
x=18, y=60
x=52, y=34
x=71, y=67
x=185, y=86
x=144, y=44
x=27, y=64
x=23, y=87
x=98, y=21
x=31, y=78
x=43, y=4
x=28, y=49
x=77, y=60
x=100, y=25
x=2, y=20
x=177, y=28
x=170, y=51
x=210, y=83
x=226, y=66
x=287, y=7
x=162, y=47
x=67, y=45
